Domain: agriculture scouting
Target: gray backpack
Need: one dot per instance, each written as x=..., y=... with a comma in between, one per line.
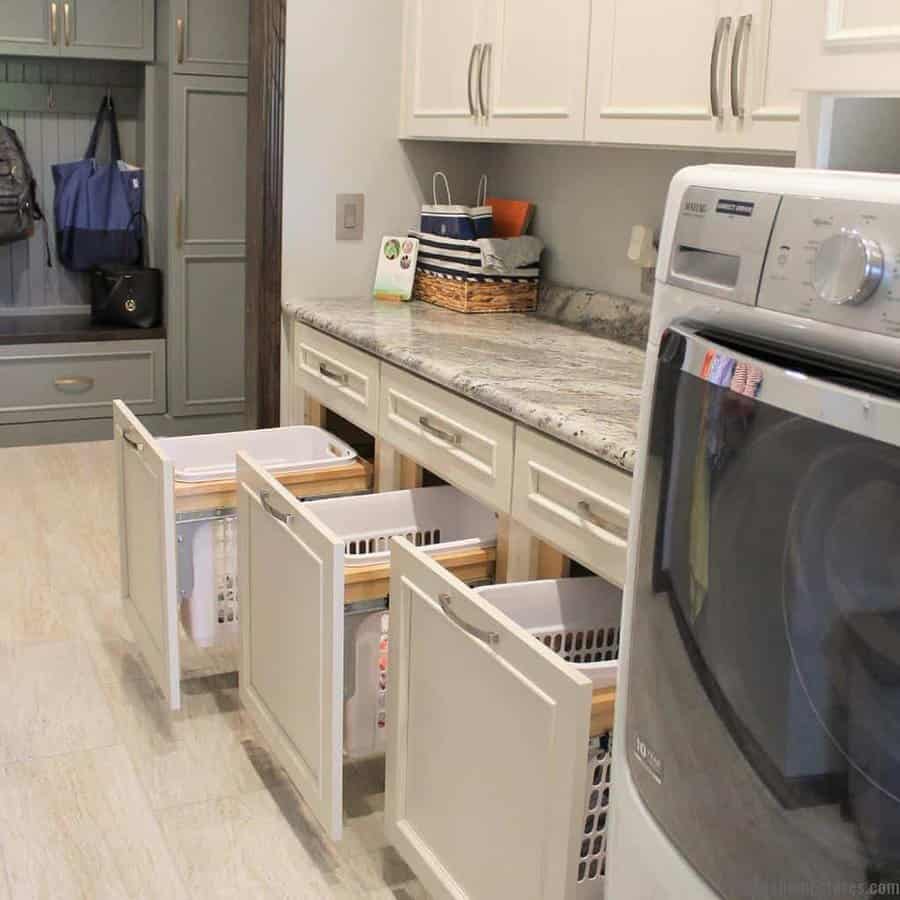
x=18, y=204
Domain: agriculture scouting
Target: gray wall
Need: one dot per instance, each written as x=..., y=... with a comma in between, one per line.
x=864, y=134
x=26, y=284
x=589, y=197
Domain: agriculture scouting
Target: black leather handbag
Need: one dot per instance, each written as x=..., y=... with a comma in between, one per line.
x=128, y=296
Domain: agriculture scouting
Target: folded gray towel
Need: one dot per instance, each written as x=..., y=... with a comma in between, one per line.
x=505, y=255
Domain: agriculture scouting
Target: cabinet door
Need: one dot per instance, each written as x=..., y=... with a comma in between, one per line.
x=208, y=252
x=487, y=736
x=25, y=27
x=534, y=75
x=442, y=54
x=651, y=75
x=291, y=588
x=211, y=37
x=147, y=548
x=107, y=29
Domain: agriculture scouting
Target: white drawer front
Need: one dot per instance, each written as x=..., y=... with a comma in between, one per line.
x=577, y=503
x=340, y=377
x=468, y=445
x=44, y=382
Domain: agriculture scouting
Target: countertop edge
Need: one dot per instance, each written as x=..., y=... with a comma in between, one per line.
x=610, y=452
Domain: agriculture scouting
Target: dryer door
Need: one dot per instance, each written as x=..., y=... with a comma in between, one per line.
x=764, y=681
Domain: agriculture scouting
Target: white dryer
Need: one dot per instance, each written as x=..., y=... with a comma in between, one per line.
x=759, y=737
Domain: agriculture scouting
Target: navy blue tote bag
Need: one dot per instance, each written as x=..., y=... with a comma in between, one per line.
x=98, y=206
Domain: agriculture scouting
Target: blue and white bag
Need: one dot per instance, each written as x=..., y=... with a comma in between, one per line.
x=464, y=223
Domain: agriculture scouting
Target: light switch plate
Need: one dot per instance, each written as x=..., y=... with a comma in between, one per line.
x=350, y=210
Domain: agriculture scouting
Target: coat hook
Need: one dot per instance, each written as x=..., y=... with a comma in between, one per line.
x=51, y=99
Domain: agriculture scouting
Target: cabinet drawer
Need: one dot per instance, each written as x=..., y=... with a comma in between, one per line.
x=46, y=382
x=468, y=445
x=340, y=377
x=577, y=503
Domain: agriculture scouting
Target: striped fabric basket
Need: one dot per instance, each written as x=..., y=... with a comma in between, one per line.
x=450, y=274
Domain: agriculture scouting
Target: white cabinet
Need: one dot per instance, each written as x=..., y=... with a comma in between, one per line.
x=858, y=46
x=714, y=73
x=496, y=69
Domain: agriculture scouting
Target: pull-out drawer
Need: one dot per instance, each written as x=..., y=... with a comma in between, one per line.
x=299, y=565
x=171, y=557
x=51, y=382
x=499, y=717
x=577, y=503
x=340, y=377
x=464, y=443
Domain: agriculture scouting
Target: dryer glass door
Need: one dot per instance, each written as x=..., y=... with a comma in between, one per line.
x=764, y=678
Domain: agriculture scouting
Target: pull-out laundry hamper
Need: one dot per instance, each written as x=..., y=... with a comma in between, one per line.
x=456, y=530
x=177, y=499
x=579, y=619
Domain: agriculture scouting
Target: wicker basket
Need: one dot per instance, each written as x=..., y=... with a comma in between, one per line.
x=476, y=296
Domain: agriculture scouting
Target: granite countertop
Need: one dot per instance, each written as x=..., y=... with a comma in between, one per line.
x=580, y=388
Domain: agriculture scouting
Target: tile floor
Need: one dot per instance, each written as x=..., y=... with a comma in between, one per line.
x=103, y=792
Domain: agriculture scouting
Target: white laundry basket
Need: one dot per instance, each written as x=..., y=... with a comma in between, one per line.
x=579, y=619
x=207, y=540
x=438, y=519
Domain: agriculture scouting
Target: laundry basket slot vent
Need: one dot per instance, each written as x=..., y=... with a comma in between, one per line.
x=592, y=858
x=364, y=546
x=582, y=645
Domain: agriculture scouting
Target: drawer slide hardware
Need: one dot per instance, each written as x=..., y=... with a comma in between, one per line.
x=132, y=442
x=283, y=517
x=491, y=638
x=339, y=377
x=449, y=437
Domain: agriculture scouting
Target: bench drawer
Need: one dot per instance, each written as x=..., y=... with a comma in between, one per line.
x=577, y=503
x=462, y=442
x=340, y=377
x=49, y=382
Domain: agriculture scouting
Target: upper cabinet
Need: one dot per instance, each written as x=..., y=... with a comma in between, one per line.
x=211, y=37
x=88, y=29
x=496, y=69
x=859, y=46
x=712, y=73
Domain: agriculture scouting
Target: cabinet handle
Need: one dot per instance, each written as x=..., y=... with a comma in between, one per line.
x=283, y=517
x=615, y=531
x=491, y=638
x=737, y=93
x=339, y=377
x=54, y=24
x=179, y=226
x=67, y=24
x=475, y=54
x=74, y=384
x=132, y=442
x=722, y=30
x=179, y=28
x=486, y=54
x=447, y=436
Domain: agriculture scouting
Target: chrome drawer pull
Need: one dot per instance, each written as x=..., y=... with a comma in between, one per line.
x=447, y=436
x=476, y=51
x=722, y=29
x=491, y=638
x=737, y=94
x=586, y=512
x=283, y=517
x=74, y=384
x=132, y=442
x=339, y=377
x=179, y=50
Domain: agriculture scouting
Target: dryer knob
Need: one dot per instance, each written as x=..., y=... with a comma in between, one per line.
x=848, y=269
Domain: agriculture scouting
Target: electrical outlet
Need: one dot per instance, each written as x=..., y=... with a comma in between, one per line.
x=349, y=217
x=648, y=281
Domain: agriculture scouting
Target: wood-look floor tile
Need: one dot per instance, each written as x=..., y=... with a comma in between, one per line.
x=241, y=847
x=51, y=701
x=78, y=826
x=207, y=750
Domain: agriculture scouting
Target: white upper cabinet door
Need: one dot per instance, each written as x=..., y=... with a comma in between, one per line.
x=858, y=46
x=487, y=741
x=291, y=588
x=443, y=52
x=147, y=548
x=660, y=76
x=532, y=78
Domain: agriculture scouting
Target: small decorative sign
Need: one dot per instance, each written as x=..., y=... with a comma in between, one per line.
x=396, y=270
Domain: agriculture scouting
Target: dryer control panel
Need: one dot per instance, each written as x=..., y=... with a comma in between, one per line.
x=835, y=261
